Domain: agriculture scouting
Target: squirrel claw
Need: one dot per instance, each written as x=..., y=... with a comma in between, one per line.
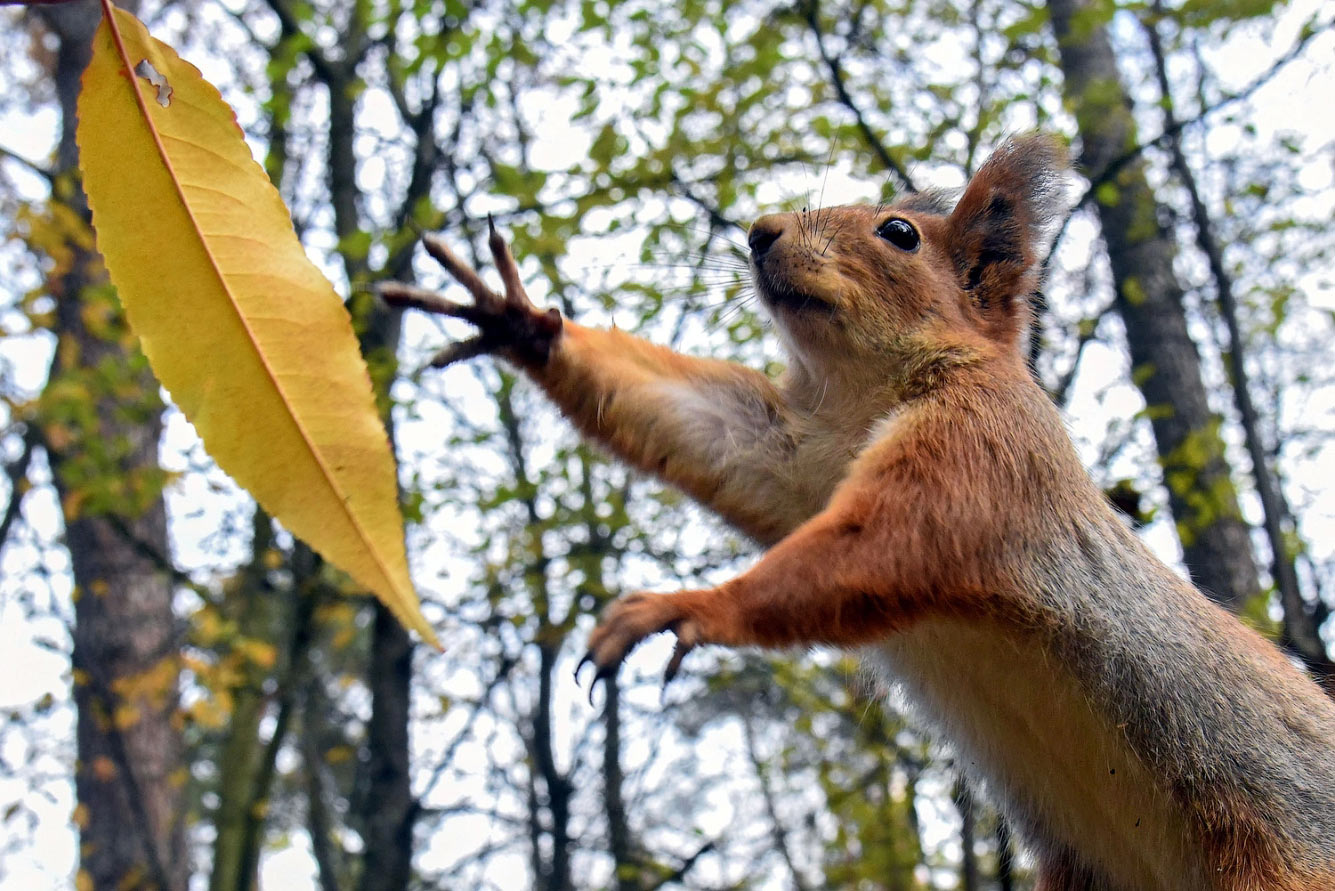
x=602, y=674
x=508, y=323
x=674, y=664
x=629, y=621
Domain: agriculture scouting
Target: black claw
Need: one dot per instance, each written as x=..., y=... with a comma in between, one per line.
x=587, y=660
x=674, y=664
x=491, y=225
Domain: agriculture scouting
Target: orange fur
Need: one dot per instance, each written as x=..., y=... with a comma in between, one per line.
x=922, y=501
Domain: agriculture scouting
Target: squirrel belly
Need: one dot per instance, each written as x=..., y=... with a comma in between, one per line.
x=1025, y=733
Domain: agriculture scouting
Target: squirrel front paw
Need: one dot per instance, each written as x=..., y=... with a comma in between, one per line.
x=630, y=620
x=510, y=325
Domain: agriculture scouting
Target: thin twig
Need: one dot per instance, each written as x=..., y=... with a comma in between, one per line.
x=1174, y=127
x=686, y=865
x=46, y=173
x=836, y=70
x=16, y=472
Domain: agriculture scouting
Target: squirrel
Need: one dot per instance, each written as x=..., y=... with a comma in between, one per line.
x=921, y=502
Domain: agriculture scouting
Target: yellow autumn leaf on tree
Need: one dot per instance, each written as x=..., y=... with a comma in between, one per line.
x=249, y=338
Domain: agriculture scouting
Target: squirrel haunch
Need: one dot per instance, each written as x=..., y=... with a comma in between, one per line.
x=921, y=500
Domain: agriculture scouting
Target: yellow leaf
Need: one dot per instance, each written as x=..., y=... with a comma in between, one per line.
x=242, y=329
x=259, y=652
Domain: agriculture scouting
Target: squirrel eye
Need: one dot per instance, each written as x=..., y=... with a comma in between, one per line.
x=900, y=233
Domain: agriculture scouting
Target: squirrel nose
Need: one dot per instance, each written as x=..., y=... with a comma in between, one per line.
x=764, y=232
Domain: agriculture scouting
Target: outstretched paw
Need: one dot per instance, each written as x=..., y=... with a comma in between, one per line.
x=508, y=324
x=630, y=620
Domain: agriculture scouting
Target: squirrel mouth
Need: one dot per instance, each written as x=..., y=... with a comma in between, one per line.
x=779, y=293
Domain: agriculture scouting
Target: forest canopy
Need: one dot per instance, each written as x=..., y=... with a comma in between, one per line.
x=191, y=696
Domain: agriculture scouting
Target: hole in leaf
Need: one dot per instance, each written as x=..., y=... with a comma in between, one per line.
x=146, y=70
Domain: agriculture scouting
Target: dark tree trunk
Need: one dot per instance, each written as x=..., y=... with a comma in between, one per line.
x=259, y=612
x=1216, y=541
x=101, y=413
x=549, y=789
x=390, y=809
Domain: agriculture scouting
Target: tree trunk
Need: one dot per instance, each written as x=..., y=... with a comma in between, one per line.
x=1216, y=541
x=390, y=808
x=101, y=414
x=258, y=611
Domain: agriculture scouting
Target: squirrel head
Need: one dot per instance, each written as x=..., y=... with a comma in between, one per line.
x=890, y=283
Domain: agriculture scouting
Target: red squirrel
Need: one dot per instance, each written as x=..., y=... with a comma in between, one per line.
x=921, y=502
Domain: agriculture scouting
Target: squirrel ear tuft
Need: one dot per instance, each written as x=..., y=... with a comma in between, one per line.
x=1000, y=228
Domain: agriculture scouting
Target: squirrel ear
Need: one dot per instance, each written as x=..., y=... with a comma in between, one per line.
x=1000, y=228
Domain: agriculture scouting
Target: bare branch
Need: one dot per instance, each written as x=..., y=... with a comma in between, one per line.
x=16, y=472
x=1087, y=334
x=836, y=69
x=43, y=172
x=1174, y=127
x=686, y=865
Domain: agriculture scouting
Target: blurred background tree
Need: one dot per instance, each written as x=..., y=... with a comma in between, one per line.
x=190, y=697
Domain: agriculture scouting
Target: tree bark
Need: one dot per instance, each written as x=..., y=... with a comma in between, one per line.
x=258, y=612
x=1216, y=541
x=101, y=413
x=390, y=808
x=387, y=812
x=625, y=870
